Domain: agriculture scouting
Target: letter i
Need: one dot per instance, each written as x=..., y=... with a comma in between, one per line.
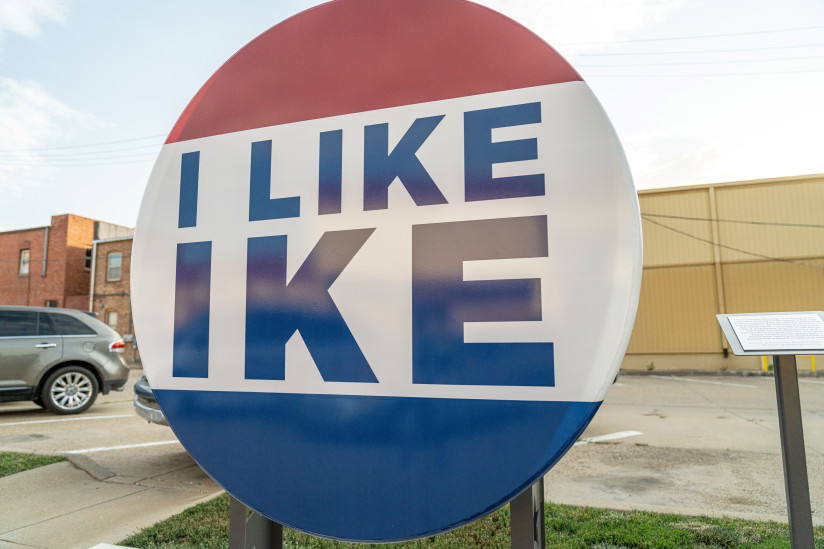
x=193, y=270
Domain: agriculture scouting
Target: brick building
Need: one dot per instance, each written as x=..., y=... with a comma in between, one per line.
x=50, y=266
x=110, y=297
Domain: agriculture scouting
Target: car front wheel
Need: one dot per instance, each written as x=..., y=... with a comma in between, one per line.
x=69, y=390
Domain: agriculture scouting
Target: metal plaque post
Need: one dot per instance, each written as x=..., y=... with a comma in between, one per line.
x=527, y=518
x=784, y=335
x=256, y=532
x=792, y=449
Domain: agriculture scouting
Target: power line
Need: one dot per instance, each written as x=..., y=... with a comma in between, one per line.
x=115, y=163
x=731, y=248
x=73, y=154
x=87, y=145
x=679, y=63
x=697, y=36
x=744, y=222
x=88, y=164
x=70, y=158
x=690, y=52
x=67, y=162
x=703, y=75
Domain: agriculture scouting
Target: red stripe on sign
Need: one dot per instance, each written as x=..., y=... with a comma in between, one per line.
x=358, y=55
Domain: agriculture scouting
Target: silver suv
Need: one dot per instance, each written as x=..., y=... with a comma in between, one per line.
x=58, y=358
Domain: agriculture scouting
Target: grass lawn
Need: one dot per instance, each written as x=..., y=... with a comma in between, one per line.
x=206, y=526
x=13, y=462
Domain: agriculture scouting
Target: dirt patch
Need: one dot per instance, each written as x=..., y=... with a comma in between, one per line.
x=714, y=482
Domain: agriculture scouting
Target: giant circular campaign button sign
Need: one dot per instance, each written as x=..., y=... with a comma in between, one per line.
x=386, y=267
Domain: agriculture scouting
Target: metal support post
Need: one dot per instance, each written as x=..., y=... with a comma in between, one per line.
x=237, y=524
x=262, y=533
x=792, y=449
x=526, y=518
x=256, y=532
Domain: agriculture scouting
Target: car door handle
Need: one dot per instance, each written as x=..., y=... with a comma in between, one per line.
x=46, y=345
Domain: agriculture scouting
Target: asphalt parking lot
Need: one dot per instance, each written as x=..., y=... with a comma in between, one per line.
x=689, y=444
x=710, y=445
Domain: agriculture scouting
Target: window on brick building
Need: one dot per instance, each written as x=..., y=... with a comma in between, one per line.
x=25, y=257
x=51, y=303
x=115, y=261
x=88, y=264
x=111, y=319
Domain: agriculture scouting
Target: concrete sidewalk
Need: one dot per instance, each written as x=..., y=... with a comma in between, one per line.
x=79, y=503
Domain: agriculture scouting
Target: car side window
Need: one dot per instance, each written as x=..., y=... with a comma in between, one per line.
x=18, y=323
x=44, y=327
x=67, y=325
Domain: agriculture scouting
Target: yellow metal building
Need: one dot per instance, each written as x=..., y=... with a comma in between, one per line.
x=740, y=247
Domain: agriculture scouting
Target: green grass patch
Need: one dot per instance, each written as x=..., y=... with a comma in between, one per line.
x=14, y=462
x=206, y=526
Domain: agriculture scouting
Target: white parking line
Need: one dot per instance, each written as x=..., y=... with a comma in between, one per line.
x=708, y=382
x=65, y=419
x=611, y=436
x=123, y=447
x=811, y=381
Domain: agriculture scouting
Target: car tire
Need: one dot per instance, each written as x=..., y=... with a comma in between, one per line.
x=39, y=401
x=69, y=390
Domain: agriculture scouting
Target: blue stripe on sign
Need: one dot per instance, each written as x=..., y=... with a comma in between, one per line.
x=193, y=273
x=189, y=172
x=372, y=468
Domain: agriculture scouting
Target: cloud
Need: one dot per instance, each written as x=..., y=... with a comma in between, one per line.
x=29, y=118
x=665, y=164
x=24, y=17
x=578, y=26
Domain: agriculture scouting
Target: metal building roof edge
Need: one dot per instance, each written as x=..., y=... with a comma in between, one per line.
x=745, y=182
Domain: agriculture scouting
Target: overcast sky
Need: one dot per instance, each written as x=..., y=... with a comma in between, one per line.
x=700, y=91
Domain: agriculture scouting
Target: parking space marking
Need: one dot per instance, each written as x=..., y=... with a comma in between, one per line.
x=611, y=436
x=64, y=419
x=811, y=381
x=122, y=447
x=676, y=378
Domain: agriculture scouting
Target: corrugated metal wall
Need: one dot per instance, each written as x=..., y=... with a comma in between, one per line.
x=755, y=246
x=676, y=312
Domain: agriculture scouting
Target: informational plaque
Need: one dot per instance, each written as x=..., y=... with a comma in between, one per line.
x=774, y=333
x=784, y=335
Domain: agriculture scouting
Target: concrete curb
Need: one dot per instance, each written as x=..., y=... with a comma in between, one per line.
x=89, y=466
x=713, y=373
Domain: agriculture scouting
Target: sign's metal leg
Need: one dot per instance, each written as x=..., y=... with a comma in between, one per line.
x=237, y=524
x=258, y=532
x=527, y=520
x=262, y=533
x=792, y=448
